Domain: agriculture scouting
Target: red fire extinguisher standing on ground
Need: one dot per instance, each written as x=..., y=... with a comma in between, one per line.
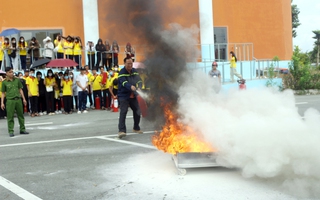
x=97, y=101
x=242, y=84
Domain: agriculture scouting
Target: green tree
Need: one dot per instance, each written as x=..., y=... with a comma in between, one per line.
x=317, y=43
x=295, y=18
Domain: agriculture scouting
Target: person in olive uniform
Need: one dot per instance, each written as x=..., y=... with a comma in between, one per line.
x=12, y=90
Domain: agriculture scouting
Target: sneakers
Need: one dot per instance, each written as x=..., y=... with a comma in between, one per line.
x=44, y=113
x=85, y=111
x=79, y=112
x=11, y=134
x=121, y=134
x=60, y=112
x=40, y=113
x=137, y=131
x=57, y=112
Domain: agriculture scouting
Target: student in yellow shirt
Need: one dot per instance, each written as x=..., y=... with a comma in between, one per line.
x=233, y=67
x=95, y=81
x=58, y=43
x=66, y=84
x=113, y=85
x=77, y=50
x=50, y=82
x=68, y=48
x=22, y=45
x=1, y=54
x=104, y=88
x=87, y=72
x=33, y=92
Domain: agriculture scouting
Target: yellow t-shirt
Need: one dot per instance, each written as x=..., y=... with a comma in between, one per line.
x=4, y=46
x=33, y=85
x=95, y=82
x=233, y=62
x=77, y=49
x=23, y=52
x=59, y=45
x=68, y=51
x=1, y=53
x=49, y=81
x=67, y=88
x=89, y=77
x=111, y=82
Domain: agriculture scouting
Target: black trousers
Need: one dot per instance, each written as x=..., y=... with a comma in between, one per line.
x=124, y=105
x=57, y=102
x=104, y=98
x=60, y=55
x=34, y=104
x=50, y=102
x=77, y=59
x=90, y=95
x=108, y=99
x=99, y=58
x=42, y=105
x=97, y=93
x=76, y=101
x=91, y=61
x=3, y=112
x=67, y=103
x=109, y=63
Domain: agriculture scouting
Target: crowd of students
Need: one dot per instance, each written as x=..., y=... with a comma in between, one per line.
x=101, y=53
x=46, y=94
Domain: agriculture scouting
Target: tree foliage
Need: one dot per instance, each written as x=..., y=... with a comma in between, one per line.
x=317, y=44
x=302, y=76
x=295, y=18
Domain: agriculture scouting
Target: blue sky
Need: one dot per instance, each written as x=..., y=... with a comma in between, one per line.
x=310, y=20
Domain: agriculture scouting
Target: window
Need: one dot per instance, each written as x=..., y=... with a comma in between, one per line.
x=221, y=43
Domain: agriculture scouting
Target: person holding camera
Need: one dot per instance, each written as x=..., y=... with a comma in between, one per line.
x=91, y=52
x=23, y=52
x=34, y=50
x=13, y=51
x=77, y=51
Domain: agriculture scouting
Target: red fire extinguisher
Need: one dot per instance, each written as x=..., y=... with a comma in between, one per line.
x=242, y=84
x=115, y=105
x=25, y=109
x=97, y=101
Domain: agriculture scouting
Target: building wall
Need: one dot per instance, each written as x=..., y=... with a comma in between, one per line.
x=267, y=24
x=43, y=14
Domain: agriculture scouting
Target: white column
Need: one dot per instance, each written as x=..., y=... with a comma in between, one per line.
x=90, y=22
x=206, y=30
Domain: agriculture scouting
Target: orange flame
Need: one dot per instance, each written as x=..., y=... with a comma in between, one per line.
x=177, y=137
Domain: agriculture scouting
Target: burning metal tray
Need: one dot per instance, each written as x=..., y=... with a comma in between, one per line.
x=184, y=161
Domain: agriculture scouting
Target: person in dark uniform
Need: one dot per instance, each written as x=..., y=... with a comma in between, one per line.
x=128, y=82
x=25, y=90
x=12, y=90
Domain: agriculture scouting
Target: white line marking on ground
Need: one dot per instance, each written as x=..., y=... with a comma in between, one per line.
x=17, y=190
x=128, y=142
x=65, y=140
x=37, y=124
x=301, y=103
x=48, y=141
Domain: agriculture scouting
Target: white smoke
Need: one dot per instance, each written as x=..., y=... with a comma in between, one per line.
x=257, y=130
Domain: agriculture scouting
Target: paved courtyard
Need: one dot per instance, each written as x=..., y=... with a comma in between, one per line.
x=69, y=157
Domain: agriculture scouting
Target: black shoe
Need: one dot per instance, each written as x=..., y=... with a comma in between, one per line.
x=11, y=134
x=24, y=132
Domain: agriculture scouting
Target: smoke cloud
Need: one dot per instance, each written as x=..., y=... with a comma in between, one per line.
x=258, y=131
